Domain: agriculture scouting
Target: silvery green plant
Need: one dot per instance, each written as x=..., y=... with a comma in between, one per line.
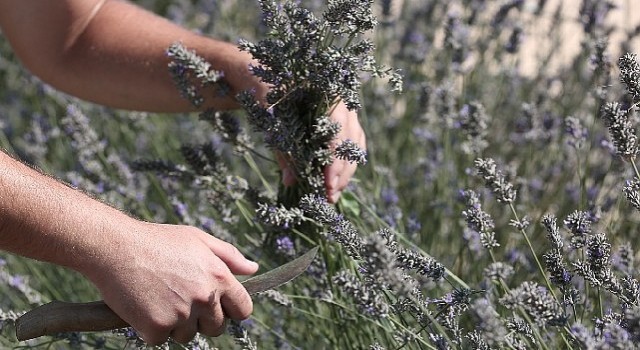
x=572, y=180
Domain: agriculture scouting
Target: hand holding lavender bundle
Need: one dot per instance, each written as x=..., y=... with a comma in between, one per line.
x=313, y=66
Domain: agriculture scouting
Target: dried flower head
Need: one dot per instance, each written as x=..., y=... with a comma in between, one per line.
x=621, y=130
x=191, y=73
x=350, y=151
x=553, y=233
x=630, y=74
x=579, y=225
x=478, y=220
x=537, y=301
x=496, y=180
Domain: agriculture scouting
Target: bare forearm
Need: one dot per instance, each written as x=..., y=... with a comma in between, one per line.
x=44, y=219
x=113, y=53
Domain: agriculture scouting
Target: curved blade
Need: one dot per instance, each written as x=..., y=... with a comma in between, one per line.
x=281, y=274
x=57, y=316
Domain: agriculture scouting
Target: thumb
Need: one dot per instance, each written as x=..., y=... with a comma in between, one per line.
x=231, y=256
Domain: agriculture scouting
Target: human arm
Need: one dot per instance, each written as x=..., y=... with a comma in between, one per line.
x=164, y=280
x=114, y=53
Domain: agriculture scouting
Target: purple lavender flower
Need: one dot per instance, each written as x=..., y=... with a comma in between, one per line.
x=575, y=131
x=513, y=43
x=593, y=14
x=191, y=73
x=623, y=259
x=279, y=216
x=503, y=11
x=478, y=220
x=556, y=267
x=240, y=335
x=631, y=191
x=284, y=245
x=537, y=301
x=488, y=322
x=553, y=233
x=474, y=121
x=369, y=300
x=579, y=224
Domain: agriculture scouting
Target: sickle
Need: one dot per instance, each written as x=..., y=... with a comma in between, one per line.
x=57, y=316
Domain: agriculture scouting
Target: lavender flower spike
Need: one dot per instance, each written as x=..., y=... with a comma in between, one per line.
x=630, y=74
x=621, y=129
x=350, y=151
x=496, y=180
x=537, y=301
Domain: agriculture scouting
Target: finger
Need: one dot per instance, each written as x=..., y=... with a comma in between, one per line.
x=158, y=337
x=184, y=332
x=231, y=256
x=236, y=302
x=345, y=177
x=288, y=175
x=212, y=321
x=332, y=174
x=334, y=197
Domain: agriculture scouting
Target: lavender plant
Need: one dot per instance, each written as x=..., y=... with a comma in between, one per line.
x=497, y=208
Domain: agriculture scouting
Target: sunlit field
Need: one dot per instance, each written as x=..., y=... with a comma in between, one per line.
x=497, y=206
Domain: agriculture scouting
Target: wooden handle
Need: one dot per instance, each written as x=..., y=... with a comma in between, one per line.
x=58, y=317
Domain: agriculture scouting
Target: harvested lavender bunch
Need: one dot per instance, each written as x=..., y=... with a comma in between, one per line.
x=311, y=62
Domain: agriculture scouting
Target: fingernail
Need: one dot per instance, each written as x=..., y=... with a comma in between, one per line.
x=251, y=262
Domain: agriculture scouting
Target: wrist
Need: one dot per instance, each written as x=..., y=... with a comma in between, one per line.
x=108, y=241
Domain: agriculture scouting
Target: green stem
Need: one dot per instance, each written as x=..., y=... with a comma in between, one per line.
x=635, y=169
x=533, y=252
x=600, y=307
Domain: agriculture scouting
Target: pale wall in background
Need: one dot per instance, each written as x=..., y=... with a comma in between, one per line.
x=625, y=17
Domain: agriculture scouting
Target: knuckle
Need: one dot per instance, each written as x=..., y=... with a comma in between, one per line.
x=221, y=276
